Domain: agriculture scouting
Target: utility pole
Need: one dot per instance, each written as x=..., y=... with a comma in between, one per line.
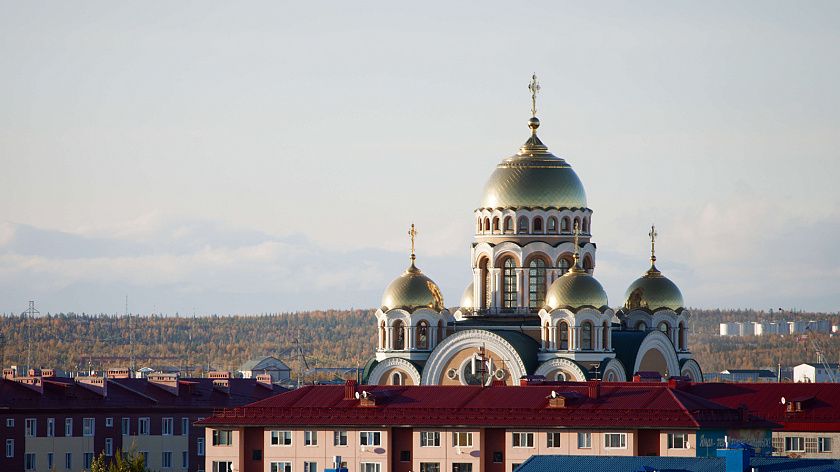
x=29, y=313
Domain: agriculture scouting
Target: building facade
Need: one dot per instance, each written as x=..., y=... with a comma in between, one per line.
x=533, y=306
x=61, y=424
x=467, y=428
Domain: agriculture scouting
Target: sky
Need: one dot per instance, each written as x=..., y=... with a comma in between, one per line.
x=263, y=157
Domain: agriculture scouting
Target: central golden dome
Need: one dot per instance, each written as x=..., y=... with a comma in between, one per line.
x=533, y=178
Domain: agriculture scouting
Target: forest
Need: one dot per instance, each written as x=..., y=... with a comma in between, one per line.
x=71, y=342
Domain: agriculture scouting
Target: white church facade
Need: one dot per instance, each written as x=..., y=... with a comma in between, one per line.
x=534, y=307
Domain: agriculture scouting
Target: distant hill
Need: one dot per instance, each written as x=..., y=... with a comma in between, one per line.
x=331, y=338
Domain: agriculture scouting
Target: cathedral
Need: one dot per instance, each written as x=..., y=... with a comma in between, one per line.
x=534, y=307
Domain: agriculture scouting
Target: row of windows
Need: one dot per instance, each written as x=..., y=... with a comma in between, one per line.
x=537, y=281
x=666, y=328
x=30, y=460
x=535, y=225
x=586, y=329
x=807, y=445
x=422, y=333
x=89, y=426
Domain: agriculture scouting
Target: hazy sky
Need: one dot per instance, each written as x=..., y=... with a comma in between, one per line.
x=252, y=157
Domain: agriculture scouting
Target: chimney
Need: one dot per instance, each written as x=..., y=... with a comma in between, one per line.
x=264, y=380
x=8, y=374
x=168, y=382
x=218, y=375
x=47, y=373
x=594, y=389
x=118, y=373
x=95, y=384
x=350, y=390
x=497, y=383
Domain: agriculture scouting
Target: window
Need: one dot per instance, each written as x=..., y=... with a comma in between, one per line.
x=50, y=461
x=536, y=284
x=281, y=467
x=109, y=422
x=88, y=426
x=564, y=336
x=429, y=439
x=68, y=426
x=461, y=467
x=508, y=229
x=564, y=266
x=185, y=426
x=586, y=336
x=227, y=466
x=678, y=441
x=523, y=225
x=462, y=439
x=810, y=445
x=310, y=438
x=514, y=466
x=145, y=455
x=663, y=326
x=564, y=225
x=553, y=440
x=340, y=438
x=422, y=335
x=310, y=467
x=498, y=457
x=166, y=426
x=199, y=446
x=281, y=438
x=509, y=281
x=615, y=440
x=256, y=454
x=795, y=444
x=370, y=467
x=224, y=437
x=87, y=460
x=584, y=440
x=30, y=425
x=430, y=467
x=10, y=422
x=405, y=456
x=185, y=459
x=496, y=224
x=126, y=426
x=166, y=459
x=523, y=439
x=143, y=426
x=825, y=445
x=29, y=461
x=10, y=448
x=68, y=460
x=109, y=447
x=369, y=438
x=538, y=225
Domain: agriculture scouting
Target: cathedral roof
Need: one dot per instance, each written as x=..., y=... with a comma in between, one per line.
x=576, y=290
x=412, y=291
x=533, y=178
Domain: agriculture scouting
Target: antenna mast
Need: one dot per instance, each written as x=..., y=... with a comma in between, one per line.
x=28, y=313
x=130, y=339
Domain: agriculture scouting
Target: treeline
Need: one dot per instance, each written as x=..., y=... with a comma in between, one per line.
x=332, y=338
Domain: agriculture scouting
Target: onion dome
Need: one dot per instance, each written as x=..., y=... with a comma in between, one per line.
x=653, y=291
x=412, y=290
x=533, y=178
x=576, y=290
x=467, y=300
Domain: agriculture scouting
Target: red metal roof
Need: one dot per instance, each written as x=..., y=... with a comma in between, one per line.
x=620, y=404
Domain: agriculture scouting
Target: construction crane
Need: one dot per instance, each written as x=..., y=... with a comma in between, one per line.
x=820, y=356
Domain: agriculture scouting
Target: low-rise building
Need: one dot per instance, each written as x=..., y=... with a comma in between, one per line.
x=60, y=424
x=469, y=428
x=270, y=365
x=816, y=373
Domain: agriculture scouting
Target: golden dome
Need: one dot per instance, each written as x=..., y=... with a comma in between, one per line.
x=412, y=291
x=467, y=298
x=533, y=178
x=576, y=290
x=653, y=292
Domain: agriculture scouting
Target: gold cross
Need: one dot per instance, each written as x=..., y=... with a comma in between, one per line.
x=576, y=232
x=534, y=87
x=653, y=234
x=412, y=233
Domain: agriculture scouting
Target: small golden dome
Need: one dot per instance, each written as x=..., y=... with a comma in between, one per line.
x=467, y=300
x=412, y=291
x=576, y=290
x=653, y=292
x=533, y=177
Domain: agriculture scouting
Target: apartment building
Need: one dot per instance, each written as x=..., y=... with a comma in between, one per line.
x=60, y=424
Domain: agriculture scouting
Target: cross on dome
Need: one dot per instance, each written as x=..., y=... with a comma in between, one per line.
x=653, y=234
x=576, y=232
x=412, y=232
x=534, y=87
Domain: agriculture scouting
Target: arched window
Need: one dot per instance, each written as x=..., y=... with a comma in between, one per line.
x=496, y=224
x=564, y=266
x=509, y=282
x=552, y=225
x=382, y=340
x=559, y=377
x=681, y=337
x=585, y=227
x=396, y=379
x=605, y=336
x=486, y=225
x=536, y=284
x=485, y=285
x=508, y=225
x=576, y=223
x=523, y=225
x=663, y=326
x=587, y=264
x=564, y=336
x=564, y=225
x=640, y=326
x=423, y=335
x=399, y=335
x=586, y=336
x=545, y=332
x=538, y=225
